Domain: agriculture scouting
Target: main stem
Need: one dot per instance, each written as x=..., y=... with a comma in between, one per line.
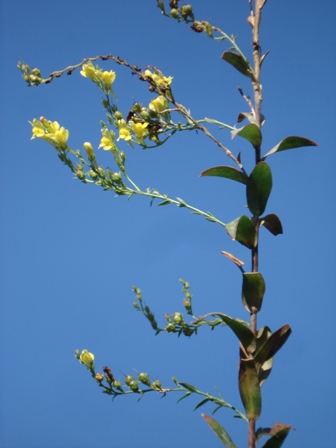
x=255, y=22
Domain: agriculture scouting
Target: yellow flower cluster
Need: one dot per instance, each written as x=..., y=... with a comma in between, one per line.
x=52, y=132
x=159, y=80
x=104, y=79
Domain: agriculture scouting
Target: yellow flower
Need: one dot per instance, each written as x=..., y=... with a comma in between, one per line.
x=49, y=131
x=159, y=79
x=107, y=141
x=88, y=71
x=89, y=151
x=159, y=104
x=87, y=359
x=140, y=130
x=107, y=78
x=124, y=133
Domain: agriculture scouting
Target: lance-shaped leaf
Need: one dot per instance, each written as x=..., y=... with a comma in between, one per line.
x=264, y=369
x=253, y=290
x=226, y=171
x=250, y=132
x=219, y=431
x=239, y=63
x=272, y=224
x=279, y=433
x=243, y=333
x=272, y=344
x=290, y=143
x=258, y=188
x=249, y=388
x=242, y=230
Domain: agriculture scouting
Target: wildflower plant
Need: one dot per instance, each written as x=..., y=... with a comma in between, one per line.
x=150, y=126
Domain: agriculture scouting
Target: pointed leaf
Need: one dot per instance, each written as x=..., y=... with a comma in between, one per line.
x=189, y=387
x=258, y=188
x=239, y=63
x=249, y=388
x=280, y=432
x=290, y=143
x=242, y=230
x=253, y=290
x=250, y=132
x=219, y=431
x=163, y=203
x=272, y=223
x=273, y=344
x=243, y=333
x=226, y=171
x=201, y=403
x=184, y=396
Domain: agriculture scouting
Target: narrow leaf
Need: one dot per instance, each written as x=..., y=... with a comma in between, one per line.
x=239, y=63
x=272, y=223
x=184, y=396
x=234, y=259
x=201, y=403
x=249, y=388
x=163, y=203
x=219, y=431
x=258, y=188
x=273, y=344
x=253, y=290
x=265, y=369
x=226, y=171
x=290, y=143
x=280, y=432
x=243, y=333
x=189, y=387
x=250, y=132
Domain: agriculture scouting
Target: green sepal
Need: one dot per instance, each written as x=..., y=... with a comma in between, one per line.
x=279, y=433
x=243, y=333
x=219, y=431
x=242, y=230
x=249, y=388
x=239, y=63
x=226, y=171
x=258, y=188
x=272, y=223
x=272, y=344
x=290, y=143
x=250, y=132
x=253, y=290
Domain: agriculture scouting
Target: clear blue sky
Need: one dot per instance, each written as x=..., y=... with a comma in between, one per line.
x=71, y=252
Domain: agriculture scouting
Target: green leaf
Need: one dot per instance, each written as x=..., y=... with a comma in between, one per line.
x=253, y=290
x=163, y=203
x=250, y=132
x=184, y=396
x=265, y=369
x=273, y=344
x=201, y=403
x=249, y=388
x=243, y=333
x=279, y=433
x=239, y=63
x=242, y=230
x=189, y=387
x=258, y=188
x=219, y=431
x=272, y=223
x=226, y=171
x=290, y=143
x=250, y=117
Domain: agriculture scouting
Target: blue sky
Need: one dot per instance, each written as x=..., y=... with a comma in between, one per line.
x=71, y=252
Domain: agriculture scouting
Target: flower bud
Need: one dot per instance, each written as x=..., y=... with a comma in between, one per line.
x=145, y=115
x=99, y=377
x=170, y=328
x=89, y=151
x=156, y=385
x=133, y=385
x=178, y=318
x=174, y=13
x=117, y=385
x=118, y=115
x=128, y=379
x=144, y=378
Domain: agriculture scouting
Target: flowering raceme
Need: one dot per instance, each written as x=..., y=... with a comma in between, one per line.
x=159, y=80
x=103, y=79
